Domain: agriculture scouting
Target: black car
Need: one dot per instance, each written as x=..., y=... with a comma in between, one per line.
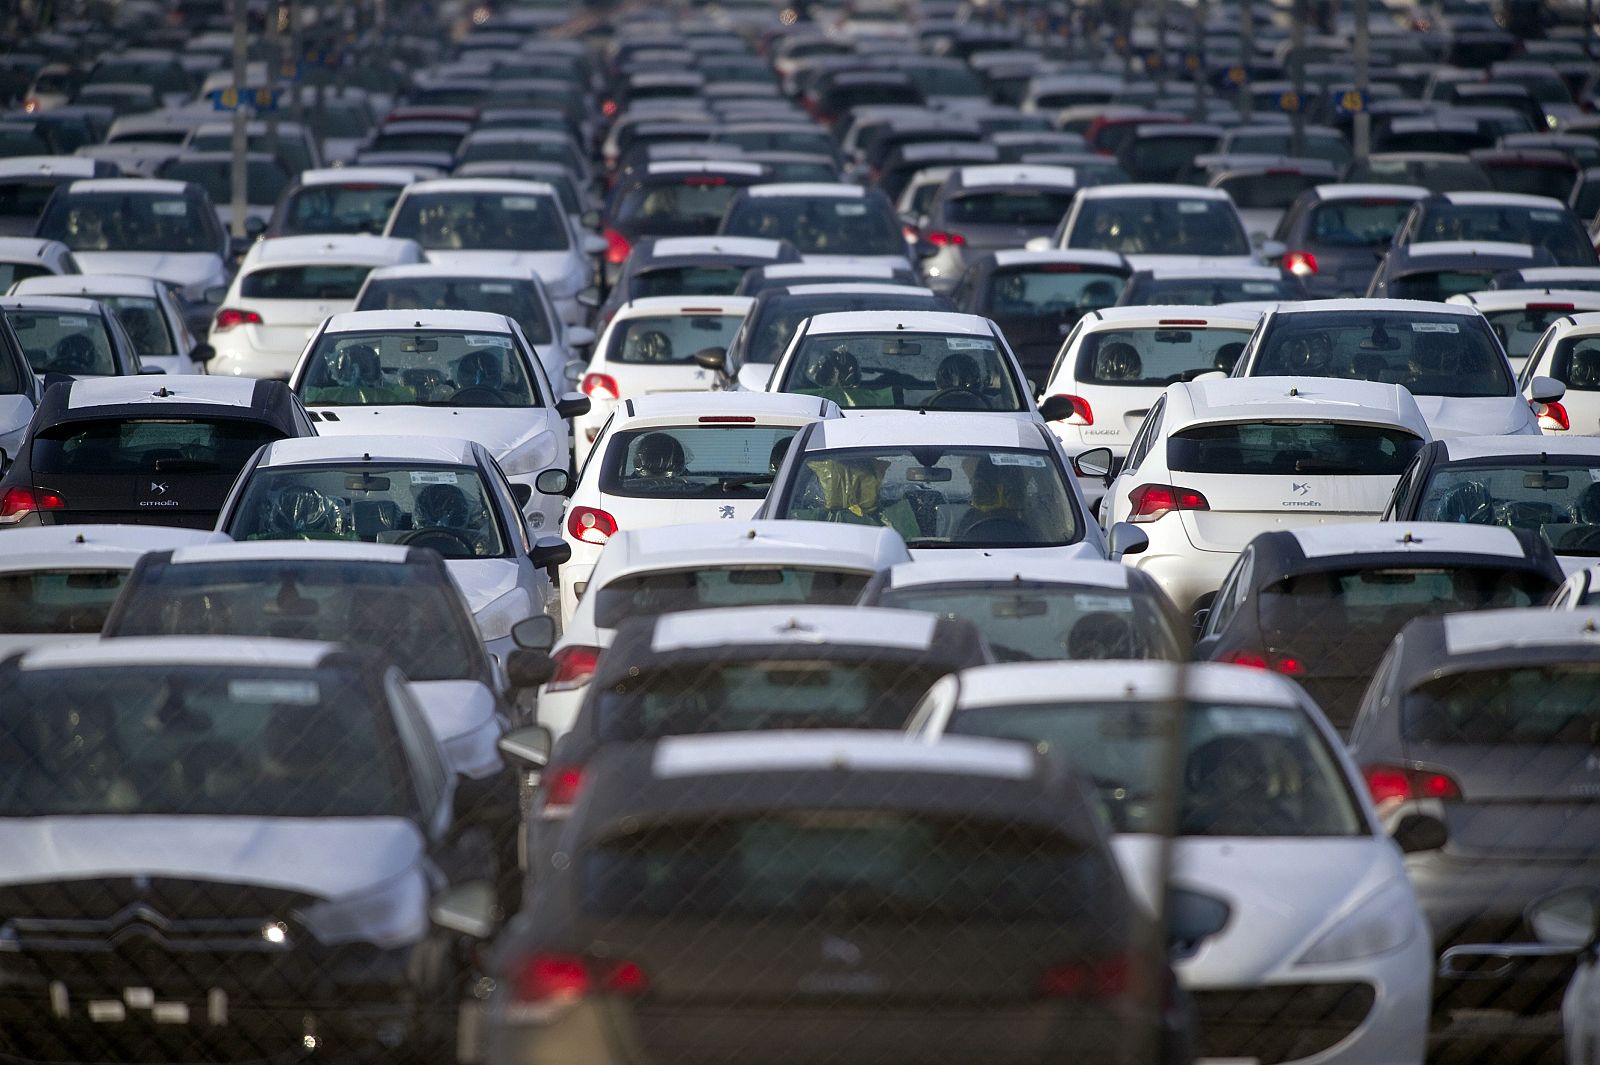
x=771, y=322
x=1321, y=604
x=143, y=450
x=690, y=266
x=1477, y=741
x=1335, y=235
x=1437, y=270
x=827, y=896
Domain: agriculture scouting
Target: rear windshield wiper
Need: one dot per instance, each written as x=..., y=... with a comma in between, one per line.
x=176, y=465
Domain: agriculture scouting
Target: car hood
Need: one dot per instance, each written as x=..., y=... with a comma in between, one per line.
x=1284, y=894
x=551, y=266
x=1480, y=416
x=500, y=429
x=463, y=717
x=326, y=857
x=184, y=269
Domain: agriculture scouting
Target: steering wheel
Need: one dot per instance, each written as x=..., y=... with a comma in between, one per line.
x=476, y=394
x=975, y=399
x=447, y=542
x=997, y=529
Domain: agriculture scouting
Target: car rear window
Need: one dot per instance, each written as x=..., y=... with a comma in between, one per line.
x=1430, y=354
x=1436, y=286
x=114, y=446
x=1157, y=356
x=670, y=338
x=304, y=283
x=1384, y=599
x=695, y=198
x=685, y=281
x=1553, y=228
x=821, y=225
x=515, y=299
x=1165, y=225
x=865, y=867
x=1210, y=291
x=652, y=594
x=703, y=462
x=1551, y=705
x=1519, y=329
x=482, y=221
x=1577, y=363
x=1292, y=448
x=354, y=208
x=904, y=371
x=1364, y=223
x=11, y=273
x=60, y=601
x=1269, y=190
x=1039, y=208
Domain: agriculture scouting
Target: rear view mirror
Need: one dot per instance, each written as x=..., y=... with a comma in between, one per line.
x=579, y=336
x=366, y=482
x=1192, y=918
x=1038, y=244
x=1272, y=250
x=215, y=294
x=902, y=347
x=590, y=219
x=203, y=352
x=594, y=245
x=1545, y=482
x=1057, y=408
x=1546, y=390
x=589, y=297
x=529, y=669
x=147, y=371
x=1569, y=918
x=537, y=633
x=572, y=405
x=529, y=745
x=928, y=474
x=522, y=493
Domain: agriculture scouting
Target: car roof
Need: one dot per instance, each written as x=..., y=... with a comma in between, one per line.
x=355, y=449
x=778, y=271
x=1017, y=174
x=292, y=551
x=73, y=304
x=1153, y=191
x=807, y=190
x=1502, y=199
x=753, y=247
x=1220, y=272
x=148, y=186
x=704, y=166
x=1440, y=645
x=1141, y=681
x=905, y=429
x=1152, y=316
x=1363, y=191
x=1364, y=305
x=1292, y=398
x=1469, y=249
x=996, y=567
x=459, y=321
x=839, y=751
x=1407, y=538
x=800, y=626
x=72, y=166
x=1517, y=448
x=694, y=407
x=850, y=288
x=476, y=271
x=1081, y=256
x=124, y=652
x=512, y=186
x=1507, y=299
x=164, y=390
x=34, y=248
x=909, y=322
x=354, y=248
x=90, y=286
x=829, y=545
x=115, y=546
x=358, y=175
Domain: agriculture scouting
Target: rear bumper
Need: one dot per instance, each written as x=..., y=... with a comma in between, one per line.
x=237, y=357
x=1185, y=574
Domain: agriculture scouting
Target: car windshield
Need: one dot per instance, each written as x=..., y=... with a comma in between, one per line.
x=759, y=694
x=1281, y=448
x=120, y=446
x=1268, y=191
x=314, y=282
x=1154, y=357
x=1065, y=291
x=819, y=225
x=59, y=600
x=198, y=740
x=144, y=321
x=1378, y=601
x=695, y=462
x=1034, y=208
x=1210, y=291
x=1330, y=149
x=1560, y=503
x=1553, y=228
x=1438, y=285
x=64, y=342
x=904, y=371
x=482, y=221
x=1430, y=354
x=697, y=280
x=652, y=594
x=446, y=508
x=134, y=222
x=1369, y=222
x=394, y=609
x=422, y=367
x=1034, y=621
x=265, y=178
x=1576, y=362
x=693, y=204
x=1165, y=225
x=1247, y=770
x=939, y=497
x=670, y=338
x=353, y=208
x=515, y=298
x=291, y=153
x=1519, y=328
x=771, y=332
x=1509, y=706
x=878, y=867
x=1436, y=175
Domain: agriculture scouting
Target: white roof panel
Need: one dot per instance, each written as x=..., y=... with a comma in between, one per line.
x=123, y=652
x=1490, y=630
x=821, y=626
x=689, y=756
x=1325, y=541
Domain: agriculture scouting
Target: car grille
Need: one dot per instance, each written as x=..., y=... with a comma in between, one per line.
x=1279, y=1023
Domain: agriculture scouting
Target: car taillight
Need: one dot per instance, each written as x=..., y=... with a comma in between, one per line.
x=600, y=386
x=1552, y=416
x=1300, y=263
x=617, y=247
x=591, y=525
x=1285, y=664
x=1082, y=414
x=559, y=789
x=940, y=238
x=229, y=317
x=18, y=503
x=574, y=666
x=1101, y=978
x=549, y=979
x=1152, y=501
x=1564, y=308
x=1391, y=785
x=609, y=109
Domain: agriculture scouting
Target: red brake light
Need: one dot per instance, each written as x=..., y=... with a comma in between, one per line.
x=1181, y=321
x=1552, y=416
x=229, y=317
x=591, y=525
x=727, y=419
x=609, y=108
x=1152, y=501
x=617, y=247
x=1289, y=667
x=550, y=979
x=600, y=386
x=626, y=978
x=1300, y=263
x=18, y=503
x=1393, y=784
x=940, y=238
x=1564, y=307
x=706, y=179
x=1103, y=978
x=574, y=666
x=561, y=786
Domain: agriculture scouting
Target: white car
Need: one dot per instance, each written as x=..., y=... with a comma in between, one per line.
x=670, y=459
x=25, y=257
x=1444, y=354
x=1580, y=590
x=1288, y=905
x=58, y=582
x=650, y=346
x=953, y=484
x=686, y=567
x=927, y=361
x=415, y=492
x=1520, y=316
x=285, y=288
x=1156, y=225
x=148, y=309
x=513, y=291
x=476, y=222
x=461, y=374
x=1115, y=363
x=1218, y=461
x=1565, y=365
x=340, y=199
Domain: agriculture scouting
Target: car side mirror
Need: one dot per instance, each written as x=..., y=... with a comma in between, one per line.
x=594, y=244
x=522, y=493
x=589, y=297
x=554, y=483
x=713, y=359
x=203, y=352
x=1272, y=250
x=529, y=745
x=1096, y=462
x=1567, y=918
x=1417, y=832
x=572, y=405
x=215, y=294
x=580, y=336
x=467, y=909
x=572, y=373
x=1039, y=244
x=1056, y=408
x=529, y=669
x=550, y=551
x=537, y=633
x=1546, y=390
x=1127, y=539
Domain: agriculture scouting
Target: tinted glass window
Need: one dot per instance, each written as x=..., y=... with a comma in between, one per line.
x=1520, y=329
x=1382, y=600
x=1159, y=226
x=339, y=209
x=671, y=338
x=1276, y=191
x=265, y=179
x=1332, y=149
x=1156, y=357
x=651, y=594
x=685, y=281
x=903, y=371
x=1556, y=705
x=701, y=198
x=1438, y=285
x=291, y=154
x=61, y=342
x=1560, y=503
x=1248, y=770
x=239, y=742
x=1577, y=362
x=1430, y=354
x=1204, y=291
x=779, y=318
x=394, y=609
x=1357, y=223
x=517, y=300
x=729, y=462
x=116, y=221
x=169, y=445
x=427, y=368
x=820, y=225
x=1292, y=447
x=442, y=221
x=1437, y=175
x=65, y=601
x=1041, y=208
x=304, y=283
x=1554, y=229
x=11, y=273
x=25, y=199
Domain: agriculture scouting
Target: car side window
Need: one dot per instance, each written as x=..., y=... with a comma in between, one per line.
x=596, y=447
x=1147, y=434
x=1535, y=357
x=1402, y=490
x=1235, y=590
x=1061, y=353
x=1375, y=695
x=428, y=773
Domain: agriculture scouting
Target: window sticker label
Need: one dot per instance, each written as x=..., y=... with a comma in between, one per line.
x=1037, y=462
x=480, y=340
x=1090, y=604
x=850, y=210
x=968, y=344
x=1244, y=719
x=1545, y=216
x=293, y=692
x=1435, y=327
x=1192, y=207
x=73, y=321
x=433, y=477
x=170, y=208
x=520, y=203
x=499, y=288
